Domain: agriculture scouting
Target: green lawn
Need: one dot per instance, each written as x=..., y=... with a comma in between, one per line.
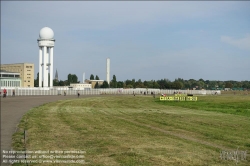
x=141, y=130
x=231, y=104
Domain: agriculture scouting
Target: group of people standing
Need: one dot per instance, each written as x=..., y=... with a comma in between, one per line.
x=5, y=93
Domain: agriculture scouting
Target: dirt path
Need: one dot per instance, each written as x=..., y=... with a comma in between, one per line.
x=12, y=110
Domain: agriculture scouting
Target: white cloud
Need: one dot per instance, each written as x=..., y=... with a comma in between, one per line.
x=243, y=43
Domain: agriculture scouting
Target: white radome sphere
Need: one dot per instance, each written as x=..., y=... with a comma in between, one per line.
x=46, y=33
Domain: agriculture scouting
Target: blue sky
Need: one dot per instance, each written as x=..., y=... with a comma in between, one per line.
x=144, y=39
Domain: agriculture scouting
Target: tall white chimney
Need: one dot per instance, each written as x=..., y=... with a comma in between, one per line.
x=108, y=70
x=83, y=78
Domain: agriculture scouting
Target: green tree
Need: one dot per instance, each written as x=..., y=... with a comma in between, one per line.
x=150, y=84
x=228, y=85
x=120, y=84
x=133, y=83
x=156, y=85
x=96, y=85
x=202, y=85
x=113, y=83
x=139, y=84
x=74, y=79
x=177, y=85
x=36, y=81
x=61, y=83
x=129, y=86
x=69, y=80
x=92, y=77
x=187, y=84
x=96, y=77
x=201, y=80
x=105, y=84
x=128, y=83
x=246, y=84
x=212, y=84
x=55, y=82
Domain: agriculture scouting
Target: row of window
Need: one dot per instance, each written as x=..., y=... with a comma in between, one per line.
x=28, y=66
x=12, y=69
x=10, y=83
x=9, y=75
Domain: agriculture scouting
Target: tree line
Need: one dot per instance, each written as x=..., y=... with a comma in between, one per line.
x=178, y=83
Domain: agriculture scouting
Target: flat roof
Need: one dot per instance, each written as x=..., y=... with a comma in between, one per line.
x=18, y=63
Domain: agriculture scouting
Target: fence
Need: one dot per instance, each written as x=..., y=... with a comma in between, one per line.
x=109, y=91
x=157, y=91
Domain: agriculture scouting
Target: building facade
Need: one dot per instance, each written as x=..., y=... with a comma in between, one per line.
x=93, y=82
x=26, y=71
x=9, y=79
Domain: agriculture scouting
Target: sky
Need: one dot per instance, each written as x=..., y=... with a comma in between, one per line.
x=144, y=40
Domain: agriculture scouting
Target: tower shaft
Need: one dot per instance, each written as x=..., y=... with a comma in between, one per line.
x=108, y=70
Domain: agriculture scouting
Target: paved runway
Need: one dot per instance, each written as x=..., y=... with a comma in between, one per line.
x=12, y=110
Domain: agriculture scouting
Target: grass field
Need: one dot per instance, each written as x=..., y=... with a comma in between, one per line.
x=141, y=130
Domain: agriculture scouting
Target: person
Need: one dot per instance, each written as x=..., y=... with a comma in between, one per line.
x=78, y=94
x=4, y=93
x=64, y=93
x=13, y=92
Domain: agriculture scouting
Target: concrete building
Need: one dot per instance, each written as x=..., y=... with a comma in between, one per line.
x=46, y=44
x=26, y=71
x=9, y=79
x=93, y=82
